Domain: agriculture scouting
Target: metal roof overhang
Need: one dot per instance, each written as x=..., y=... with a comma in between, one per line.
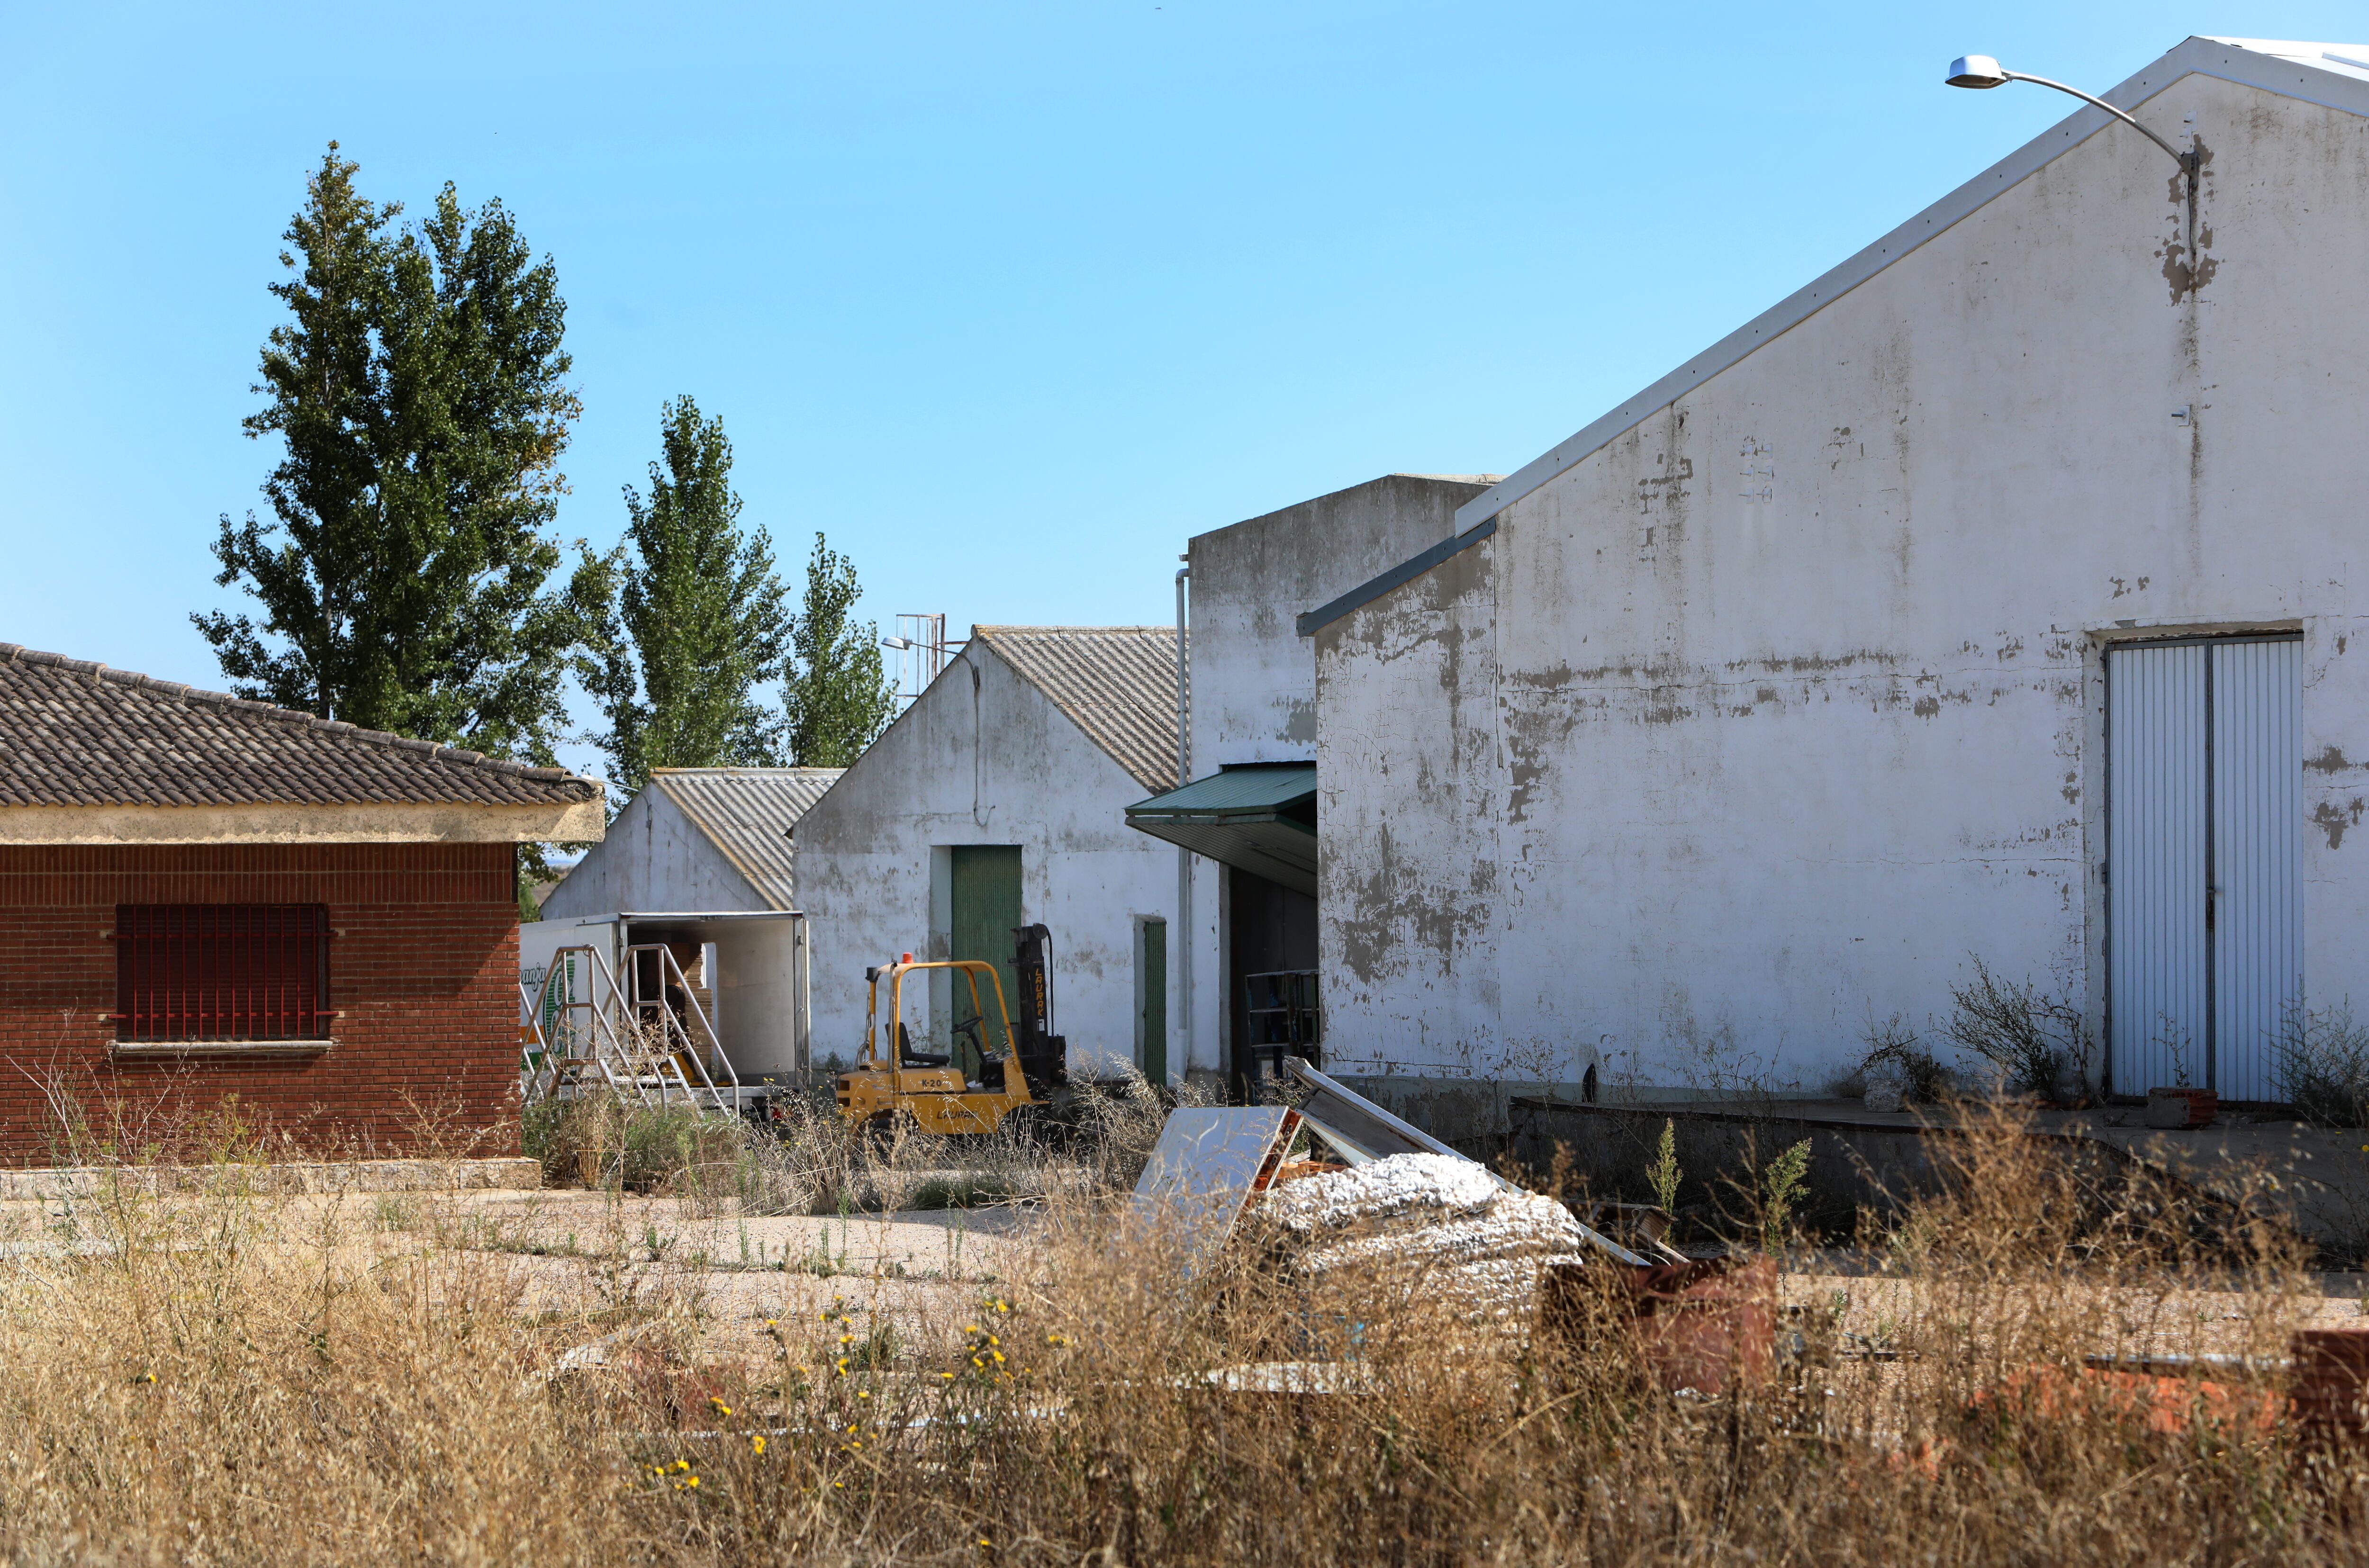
x=1260, y=819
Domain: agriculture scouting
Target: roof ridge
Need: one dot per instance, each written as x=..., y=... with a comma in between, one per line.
x=2190, y=56
x=16, y=653
x=749, y=768
x=1078, y=631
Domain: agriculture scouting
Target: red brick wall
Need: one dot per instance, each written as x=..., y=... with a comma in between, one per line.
x=423, y=971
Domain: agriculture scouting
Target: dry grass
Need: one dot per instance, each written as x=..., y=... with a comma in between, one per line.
x=224, y=1375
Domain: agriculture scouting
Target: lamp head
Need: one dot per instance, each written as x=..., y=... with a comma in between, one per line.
x=1976, y=71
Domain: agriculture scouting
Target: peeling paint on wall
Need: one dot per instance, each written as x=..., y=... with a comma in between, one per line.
x=1779, y=703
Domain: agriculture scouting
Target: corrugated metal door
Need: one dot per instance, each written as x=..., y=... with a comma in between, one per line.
x=2205, y=846
x=2156, y=946
x=2257, y=700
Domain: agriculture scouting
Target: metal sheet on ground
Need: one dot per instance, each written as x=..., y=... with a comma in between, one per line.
x=1200, y=1172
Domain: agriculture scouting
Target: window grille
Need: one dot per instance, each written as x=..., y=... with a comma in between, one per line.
x=221, y=972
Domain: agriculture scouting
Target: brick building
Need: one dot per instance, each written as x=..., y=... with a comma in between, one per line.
x=214, y=909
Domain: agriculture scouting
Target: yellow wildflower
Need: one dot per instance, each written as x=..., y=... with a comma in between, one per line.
x=756, y=1442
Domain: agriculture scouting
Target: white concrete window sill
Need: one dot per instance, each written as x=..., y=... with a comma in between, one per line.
x=221, y=1048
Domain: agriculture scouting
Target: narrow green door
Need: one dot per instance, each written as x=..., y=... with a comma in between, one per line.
x=987, y=906
x=1151, y=999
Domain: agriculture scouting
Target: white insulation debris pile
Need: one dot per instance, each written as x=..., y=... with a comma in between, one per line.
x=1433, y=1219
x=1421, y=1188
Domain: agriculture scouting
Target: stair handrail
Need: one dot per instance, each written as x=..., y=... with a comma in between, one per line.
x=670, y=1023
x=603, y=1030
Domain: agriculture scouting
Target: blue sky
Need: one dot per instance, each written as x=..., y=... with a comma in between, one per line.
x=1007, y=301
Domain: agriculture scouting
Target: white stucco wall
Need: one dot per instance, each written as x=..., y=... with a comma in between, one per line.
x=1253, y=676
x=653, y=858
x=1761, y=719
x=983, y=757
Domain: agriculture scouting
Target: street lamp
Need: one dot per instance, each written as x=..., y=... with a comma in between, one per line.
x=1980, y=71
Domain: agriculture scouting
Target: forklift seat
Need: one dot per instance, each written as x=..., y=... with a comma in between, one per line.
x=908, y=1057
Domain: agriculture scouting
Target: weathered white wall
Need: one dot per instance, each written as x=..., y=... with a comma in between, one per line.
x=653, y=859
x=1253, y=676
x=982, y=758
x=1762, y=718
x=1253, y=679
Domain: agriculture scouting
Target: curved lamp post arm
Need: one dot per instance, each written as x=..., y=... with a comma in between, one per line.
x=1980, y=71
x=2182, y=159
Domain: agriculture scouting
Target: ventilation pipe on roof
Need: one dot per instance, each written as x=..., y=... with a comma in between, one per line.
x=1185, y=933
x=1184, y=686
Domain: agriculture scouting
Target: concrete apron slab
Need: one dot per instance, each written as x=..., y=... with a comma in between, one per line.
x=2315, y=1181
x=288, y=1176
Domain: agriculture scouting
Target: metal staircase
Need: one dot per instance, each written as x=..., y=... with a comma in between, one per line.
x=580, y=1032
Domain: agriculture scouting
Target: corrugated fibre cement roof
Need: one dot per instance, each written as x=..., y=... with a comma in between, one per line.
x=1115, y=683
x=748, y=814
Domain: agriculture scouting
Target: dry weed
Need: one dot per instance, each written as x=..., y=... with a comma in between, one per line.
x=219, y=1373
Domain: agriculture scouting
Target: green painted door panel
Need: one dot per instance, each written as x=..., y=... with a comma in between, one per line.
x=1151, y=988
x=986, y=908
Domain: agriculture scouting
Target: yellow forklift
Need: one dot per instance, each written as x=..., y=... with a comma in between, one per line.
x=943, y=1094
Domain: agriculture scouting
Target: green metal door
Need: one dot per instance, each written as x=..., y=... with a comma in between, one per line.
x=1151, y=999
x=987, y=906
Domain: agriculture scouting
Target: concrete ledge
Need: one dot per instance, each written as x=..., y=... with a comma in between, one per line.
x=2313, y=1181
x=136, y=1050
x=291, y=1176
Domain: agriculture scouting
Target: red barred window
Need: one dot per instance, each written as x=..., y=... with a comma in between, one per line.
x=221, y=971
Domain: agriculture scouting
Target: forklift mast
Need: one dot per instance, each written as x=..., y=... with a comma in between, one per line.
x=1044, y=1056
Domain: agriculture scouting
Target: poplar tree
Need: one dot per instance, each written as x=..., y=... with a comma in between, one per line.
x=836, y=699
x=699, y=622
x=420, y=391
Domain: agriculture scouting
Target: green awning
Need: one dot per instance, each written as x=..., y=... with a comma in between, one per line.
x=1261, y=818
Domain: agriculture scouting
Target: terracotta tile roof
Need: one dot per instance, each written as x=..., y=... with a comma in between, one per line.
x=75, y=733
x=1118, y=682
x=748, y=814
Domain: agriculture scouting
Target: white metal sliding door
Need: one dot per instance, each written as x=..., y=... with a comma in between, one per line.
x=2204, y=939
x=2257, y=692
x=2156, y=955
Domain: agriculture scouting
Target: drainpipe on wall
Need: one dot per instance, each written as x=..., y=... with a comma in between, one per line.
x=1184, y=855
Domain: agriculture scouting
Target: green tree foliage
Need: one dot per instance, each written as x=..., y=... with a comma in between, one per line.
x=420, y=391
x=699, y=622
x=835, y=698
